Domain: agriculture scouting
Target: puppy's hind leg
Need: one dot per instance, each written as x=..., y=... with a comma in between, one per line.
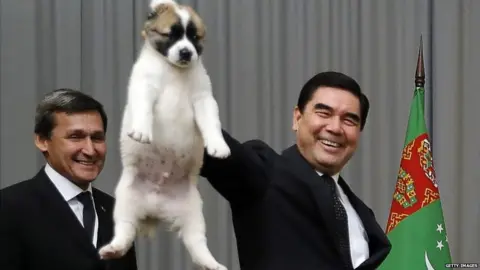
x=193, y=233
x=125, y=217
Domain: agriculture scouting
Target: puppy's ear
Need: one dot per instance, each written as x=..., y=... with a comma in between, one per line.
x=152, y=16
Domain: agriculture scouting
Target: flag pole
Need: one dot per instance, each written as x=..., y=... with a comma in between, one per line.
x=420, y=71
x=416, y=225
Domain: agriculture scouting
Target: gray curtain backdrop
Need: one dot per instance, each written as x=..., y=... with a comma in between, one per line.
x=259, y=54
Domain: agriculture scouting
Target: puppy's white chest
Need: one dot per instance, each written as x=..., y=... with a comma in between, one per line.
x=174, y=102
x=174, y=122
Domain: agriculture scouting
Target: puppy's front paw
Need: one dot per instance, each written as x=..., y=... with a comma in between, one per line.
x=143, y=135
x=218, y=148
x=110, y=251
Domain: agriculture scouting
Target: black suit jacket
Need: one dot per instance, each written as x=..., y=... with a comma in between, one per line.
x=281, y=216
x=38, y=230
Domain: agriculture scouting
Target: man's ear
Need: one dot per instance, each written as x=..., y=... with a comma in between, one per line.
x=41, y=143
x=297, y=115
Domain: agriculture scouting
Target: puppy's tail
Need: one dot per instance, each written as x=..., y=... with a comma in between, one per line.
x=155, y=3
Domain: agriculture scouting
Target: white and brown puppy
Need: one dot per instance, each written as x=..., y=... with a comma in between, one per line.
x=170, y=117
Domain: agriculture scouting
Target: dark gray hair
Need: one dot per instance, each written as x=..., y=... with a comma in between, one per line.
x=67, y=101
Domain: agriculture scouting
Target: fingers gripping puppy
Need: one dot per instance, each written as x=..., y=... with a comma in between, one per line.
x=170, y=117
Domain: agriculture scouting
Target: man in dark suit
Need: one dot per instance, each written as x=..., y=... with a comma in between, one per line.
x=57, y=220
x=294, y=211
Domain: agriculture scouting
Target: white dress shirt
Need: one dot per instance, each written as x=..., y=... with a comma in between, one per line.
x=359, y=250
x=69, y=192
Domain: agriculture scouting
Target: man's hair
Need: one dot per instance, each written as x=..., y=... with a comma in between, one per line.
x=335, y=80
x=67, y=101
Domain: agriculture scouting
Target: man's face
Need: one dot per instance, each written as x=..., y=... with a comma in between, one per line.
x=329, y=128
x=76, y=148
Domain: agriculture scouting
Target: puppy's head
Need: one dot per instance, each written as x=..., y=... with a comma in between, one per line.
x=176, y=32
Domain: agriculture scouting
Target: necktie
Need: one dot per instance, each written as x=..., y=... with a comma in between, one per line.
x=88, y=212
x=341, y=220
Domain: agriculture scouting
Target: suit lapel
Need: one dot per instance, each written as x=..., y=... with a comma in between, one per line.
x=60, y=214
x=319, y=191
x=378, y=243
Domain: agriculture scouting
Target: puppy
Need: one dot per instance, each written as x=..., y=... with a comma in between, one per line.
x=170, y=118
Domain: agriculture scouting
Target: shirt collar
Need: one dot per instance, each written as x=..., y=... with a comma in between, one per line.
x=335, y=176
x=68, y=189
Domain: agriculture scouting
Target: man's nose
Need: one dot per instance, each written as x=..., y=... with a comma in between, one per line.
x=334, y=125
x=88, y=147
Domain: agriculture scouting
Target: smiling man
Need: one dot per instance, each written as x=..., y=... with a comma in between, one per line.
x=294, y=210
x=57, y=220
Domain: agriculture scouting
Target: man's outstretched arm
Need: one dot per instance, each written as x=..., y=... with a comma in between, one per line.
x=244, y=174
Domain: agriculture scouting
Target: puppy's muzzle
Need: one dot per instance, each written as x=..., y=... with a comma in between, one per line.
x=185, y=55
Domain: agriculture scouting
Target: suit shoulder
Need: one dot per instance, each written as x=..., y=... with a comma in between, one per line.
x=261, y=149
x=10, y=196
x=258, y=145
x=21, y=188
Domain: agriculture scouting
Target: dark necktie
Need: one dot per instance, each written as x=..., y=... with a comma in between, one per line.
x=88, y=212
x=341, y=220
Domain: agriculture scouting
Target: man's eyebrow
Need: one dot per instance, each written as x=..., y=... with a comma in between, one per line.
x=81, y=131
x=322, y=106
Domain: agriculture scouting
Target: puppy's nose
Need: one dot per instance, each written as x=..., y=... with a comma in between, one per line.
x=185, y=54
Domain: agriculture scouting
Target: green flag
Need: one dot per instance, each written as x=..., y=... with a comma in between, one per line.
x=416, y=226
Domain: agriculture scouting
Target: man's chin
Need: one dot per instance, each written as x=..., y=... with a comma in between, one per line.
x=85, y=178
x=328, y=157
x=327, y=165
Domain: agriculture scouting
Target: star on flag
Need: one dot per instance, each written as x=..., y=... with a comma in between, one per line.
x=440, y=244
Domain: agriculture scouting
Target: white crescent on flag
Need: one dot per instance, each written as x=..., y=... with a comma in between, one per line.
x=427, y=262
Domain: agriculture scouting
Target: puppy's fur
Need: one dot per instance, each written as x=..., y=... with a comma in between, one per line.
x=169, y=119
